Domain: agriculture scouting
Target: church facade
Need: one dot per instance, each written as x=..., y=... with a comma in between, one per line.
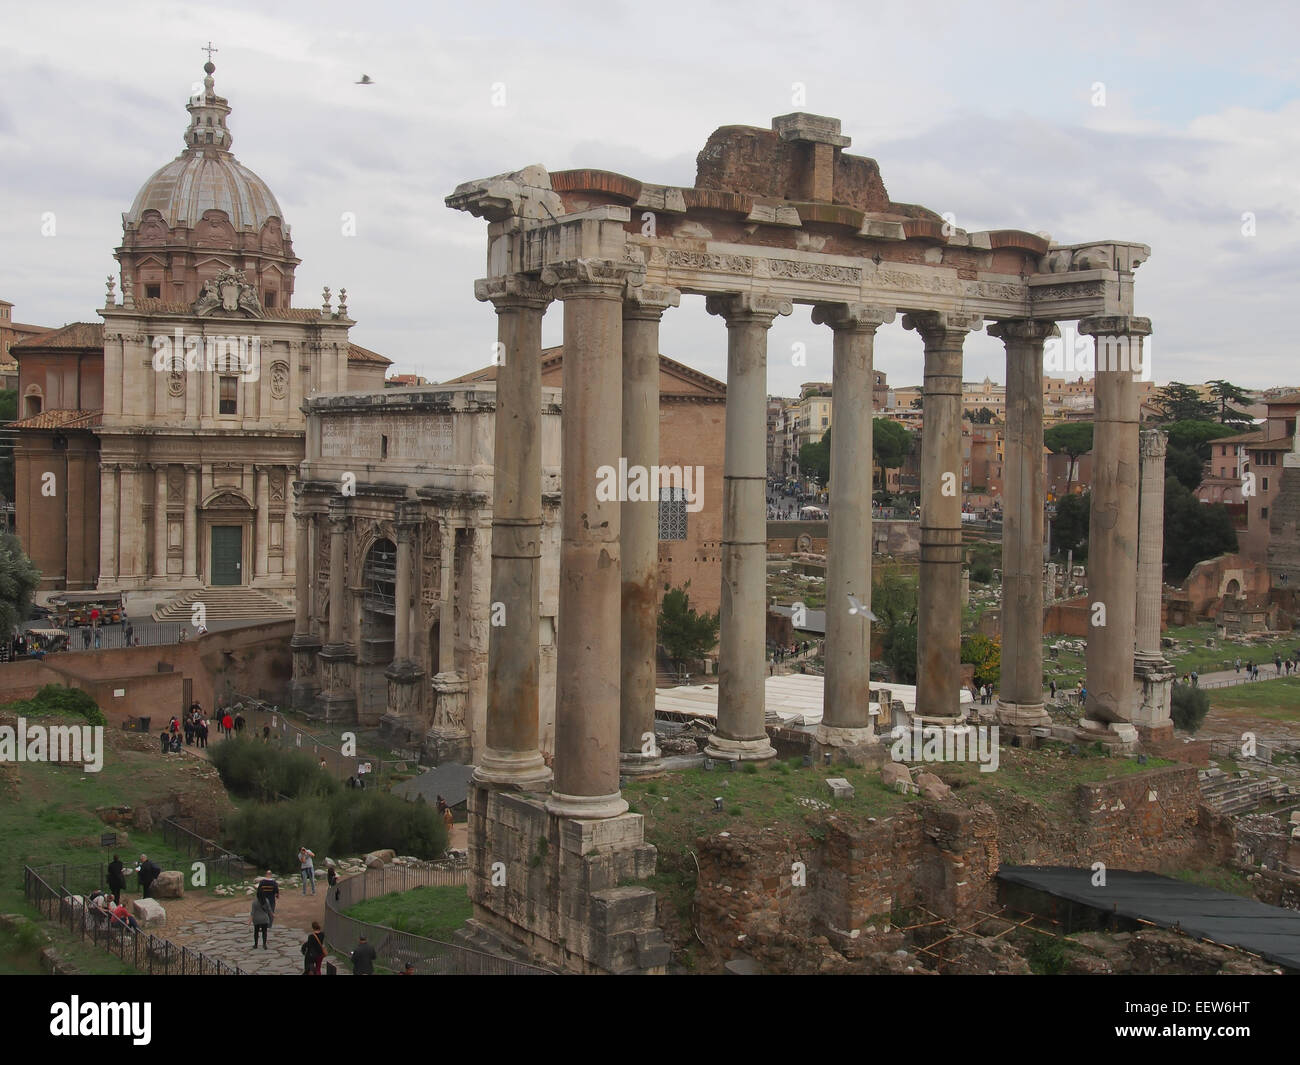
x=206, y=366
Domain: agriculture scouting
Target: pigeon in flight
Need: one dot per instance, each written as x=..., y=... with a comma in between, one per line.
x=365, y=80
x=857, y=608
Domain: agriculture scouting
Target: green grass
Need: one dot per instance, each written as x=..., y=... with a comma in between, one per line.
x=20, y=949
x=1276, y=700
x=1222, y=656
x=1229, y=880
x=432, y=912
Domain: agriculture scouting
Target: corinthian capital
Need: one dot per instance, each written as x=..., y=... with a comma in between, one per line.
x=1023, y=330
x=937, y=326
x=865, y=317
x=649, y=301
x=738, y=306
x=585, y=276
x=513, y=290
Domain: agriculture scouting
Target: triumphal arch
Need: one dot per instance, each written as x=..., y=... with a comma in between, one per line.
x=776, y=217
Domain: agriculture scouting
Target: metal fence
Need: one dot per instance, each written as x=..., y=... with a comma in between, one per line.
x=394, y=948
x=148, y=953
x=220, y=863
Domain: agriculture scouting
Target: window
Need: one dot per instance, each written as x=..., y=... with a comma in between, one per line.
x=383, y=447
x=228, y=396
x=672, y=514
x=33, y=406
x=1265, y=482
x=153, y=292
x=269, y=299
x=1263, y=512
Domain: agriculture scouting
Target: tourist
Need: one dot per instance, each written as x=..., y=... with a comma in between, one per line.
x=227, y=724
x=363, y=958
x=122, y=916
x=1237, y=664
x=202, y=730
x=307, y=869
x=332, y=878
x=1051, y=686
x=127, y=633
x=98, y=641
x=116, y=878
x=176, y=743
x=189, y=732
x=1277, y=663
x=313, y=951
x=148, y=872
x=448, y=819
x=259, y=916
x=165, y=739
x=1196, y=679
x=239, y=722
x=85, y=639
x=268, y=891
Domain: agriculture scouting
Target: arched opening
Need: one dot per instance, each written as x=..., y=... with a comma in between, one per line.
x=1233, y=590
x=435, y=636
x=379, y=603
x=32, y=404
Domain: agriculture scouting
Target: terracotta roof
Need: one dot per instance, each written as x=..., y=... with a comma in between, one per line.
x=356, y=353
x=1280, y=443
x=60, y=419
x=1289, y=398
x=76, y=335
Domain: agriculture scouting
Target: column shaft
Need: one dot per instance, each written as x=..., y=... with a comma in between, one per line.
x=1151, y=536
x=512, y=756
x=302, y=577
x=587, y=704
x=338, y=573
x=848, y=577
x=262, y=475
x=1020, y=696
x=938, y=639
x=447, y=600
x=108, y=523
x=743, y=637
x=638, y=751
x=1113, y=527
x=402, y=596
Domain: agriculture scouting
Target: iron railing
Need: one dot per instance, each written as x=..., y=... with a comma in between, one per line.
x=143, y=951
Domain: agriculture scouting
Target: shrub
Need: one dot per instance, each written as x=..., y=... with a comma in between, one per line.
x=269, y=834
x=255, y=770
x=1189, y=706
x=981, y=572
x=60, y=701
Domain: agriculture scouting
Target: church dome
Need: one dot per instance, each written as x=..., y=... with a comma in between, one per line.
x=206, y=176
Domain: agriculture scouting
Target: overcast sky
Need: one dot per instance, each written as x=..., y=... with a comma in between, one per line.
x=985, y=110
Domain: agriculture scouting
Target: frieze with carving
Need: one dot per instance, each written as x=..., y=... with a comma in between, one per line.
x=229, y=293
x=805, y=271
x=1069, y=292
x=916, y=282
x=279, y=380
x=710, y=261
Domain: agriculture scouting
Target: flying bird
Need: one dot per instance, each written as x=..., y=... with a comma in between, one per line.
x=857, y=608
x=365, y=80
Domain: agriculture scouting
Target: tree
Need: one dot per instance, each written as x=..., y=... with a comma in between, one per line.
x=1189, y=449
x=1194, y=531
x=890, y=442
x=1226, y=393
x=1070, y=528
x=815, y=459
x=1188, y=706
x=893, y=601
x=18, y=581
x=685, y=634
x=1070, y=438
x=985, y=655
x=1178, y=402
x=984, y=416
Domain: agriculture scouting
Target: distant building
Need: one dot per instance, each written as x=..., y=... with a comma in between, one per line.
x=1266, y=451
x=405, y=380
x=12, y=333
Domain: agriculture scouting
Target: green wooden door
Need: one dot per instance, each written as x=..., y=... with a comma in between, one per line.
x=227, y=554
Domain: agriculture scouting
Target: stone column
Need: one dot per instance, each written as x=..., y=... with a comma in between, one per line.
x=512, y=757
x=587, y=704
x=743, y=637
x=160, y=521
x=302, y=576
x=938, y=638
x=108, y=523
x=847, y=728
x=305, y=643
x=642, y=310
x=1020, y=695
x=406, y=531
x=338, y=520
x=1151, y=545
x=1112, y=531
x=262, y=475
x=446, y=599
x=191, y=533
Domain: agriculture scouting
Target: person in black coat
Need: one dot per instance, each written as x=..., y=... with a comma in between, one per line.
x=116, y=879
x=148, y=873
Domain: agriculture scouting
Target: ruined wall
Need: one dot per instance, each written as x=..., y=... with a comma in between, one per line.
x=1143, y=821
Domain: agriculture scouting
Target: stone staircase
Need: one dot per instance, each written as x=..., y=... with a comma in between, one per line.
x=1233, y=794
x=223, y=604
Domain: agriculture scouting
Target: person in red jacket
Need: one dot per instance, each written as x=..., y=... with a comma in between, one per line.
x=228, y=725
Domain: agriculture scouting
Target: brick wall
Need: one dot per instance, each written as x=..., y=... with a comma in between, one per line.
x=1144, y=821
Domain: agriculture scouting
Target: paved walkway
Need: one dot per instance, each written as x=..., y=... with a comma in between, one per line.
x=231, y=940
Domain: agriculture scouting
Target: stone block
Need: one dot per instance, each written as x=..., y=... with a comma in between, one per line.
x=169, y=885
x=149, y=913
x=384, y=857
x=840, y=788
x=932, y=787
x=894, y=773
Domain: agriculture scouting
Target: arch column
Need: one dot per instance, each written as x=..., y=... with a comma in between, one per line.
x=511, y=757
x=847, y=727
x=108, y=507
x=1113, y=527
x=643, y=310
x=938, y=637
x=337, y=657
x=262, y=500
x=587, y=693
x=743, y=636
x=160, y=522
x=1020, y=695
x=305, y=643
